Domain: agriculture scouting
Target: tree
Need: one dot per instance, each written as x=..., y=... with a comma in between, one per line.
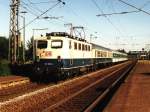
x=4, y=46
x=4, y=64
x=29, y=51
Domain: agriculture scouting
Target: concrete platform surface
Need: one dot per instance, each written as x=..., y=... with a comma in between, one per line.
x=134, y=93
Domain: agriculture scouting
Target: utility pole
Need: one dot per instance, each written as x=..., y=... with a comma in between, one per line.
x=23, y=44
x=14, y=36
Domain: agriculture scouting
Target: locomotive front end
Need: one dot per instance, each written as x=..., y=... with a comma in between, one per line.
x=47, y=57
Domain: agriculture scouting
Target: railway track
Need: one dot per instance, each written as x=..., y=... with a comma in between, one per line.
x=13, y=86
x=81, y=100
x=11, y=81
x=103, y=99
x=18, y=90
x=73, y=95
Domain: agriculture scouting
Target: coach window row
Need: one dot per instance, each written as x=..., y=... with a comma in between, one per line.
x=101, y=54
x=118, y=55
x=83, y=47
x=109, y=54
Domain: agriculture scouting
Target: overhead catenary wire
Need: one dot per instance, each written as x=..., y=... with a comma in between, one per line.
x=134, y=7
x=125, y=12
x=121, y=26
x=59, y=1
x=30, y=6
x=145, y=4
x=95, y=3
x=43, y=2
x=75, y=13
x=84, y=20
x=48, y=17
x=70, y=8
x=117, y=13
x=28, y=10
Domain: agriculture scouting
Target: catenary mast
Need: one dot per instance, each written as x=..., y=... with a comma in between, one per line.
x=14, y=36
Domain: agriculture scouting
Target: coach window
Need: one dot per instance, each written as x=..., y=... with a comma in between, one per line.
x=75, y=45
x=82, y=47
x=56, y=44
x=97, y=53
x=79, y=46
x=101, y=54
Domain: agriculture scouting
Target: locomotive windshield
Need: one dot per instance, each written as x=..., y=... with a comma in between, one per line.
x=56, y=44
x=42, y=44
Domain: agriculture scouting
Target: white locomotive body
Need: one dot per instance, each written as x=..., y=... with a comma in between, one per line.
x=62, y=53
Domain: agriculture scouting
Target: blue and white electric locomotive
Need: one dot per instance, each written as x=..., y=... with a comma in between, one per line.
x=59, y=52
x=63, y=54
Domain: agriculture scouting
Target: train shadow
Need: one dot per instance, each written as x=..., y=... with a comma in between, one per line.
x=21, y=70
x=146, y=74
x=43, y=79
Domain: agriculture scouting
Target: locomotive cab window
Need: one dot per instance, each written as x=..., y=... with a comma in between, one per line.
x=41, y=44
x=56, y=44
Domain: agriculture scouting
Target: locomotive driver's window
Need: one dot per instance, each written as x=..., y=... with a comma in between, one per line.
x=41, y=44
x=56, y=44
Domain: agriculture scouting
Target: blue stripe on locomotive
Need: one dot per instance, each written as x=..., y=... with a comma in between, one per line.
x=67, y=63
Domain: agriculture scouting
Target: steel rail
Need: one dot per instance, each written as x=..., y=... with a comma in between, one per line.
x=52, y=107
x=92, y=106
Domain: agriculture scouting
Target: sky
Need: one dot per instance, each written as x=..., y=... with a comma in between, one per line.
x=119, y=31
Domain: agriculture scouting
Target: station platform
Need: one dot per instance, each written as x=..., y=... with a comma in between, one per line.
x=134, y=93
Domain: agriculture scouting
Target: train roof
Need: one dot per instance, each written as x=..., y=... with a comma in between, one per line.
x=115, y=51
x=60, y=34
x=100, y=47
x=64, y=34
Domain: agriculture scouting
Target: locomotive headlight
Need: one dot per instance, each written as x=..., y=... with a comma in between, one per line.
x=58, y=58
x=59, y=61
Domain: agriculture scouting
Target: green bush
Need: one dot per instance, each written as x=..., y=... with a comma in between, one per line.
x=4, y=68
x=4, y=43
